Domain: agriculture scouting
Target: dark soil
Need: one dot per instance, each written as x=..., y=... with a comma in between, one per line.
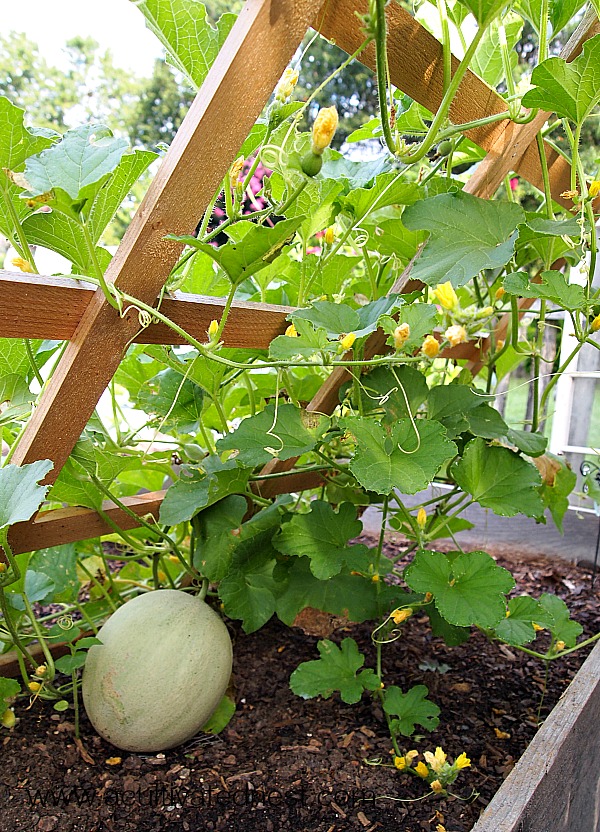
x=288, y=764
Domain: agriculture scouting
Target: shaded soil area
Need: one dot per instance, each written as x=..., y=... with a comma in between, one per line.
x=284, y=763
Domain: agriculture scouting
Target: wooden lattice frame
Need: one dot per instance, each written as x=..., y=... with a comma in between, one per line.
x=203, y=150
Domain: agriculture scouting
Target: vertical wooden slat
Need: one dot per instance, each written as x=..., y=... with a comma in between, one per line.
x=219, y=120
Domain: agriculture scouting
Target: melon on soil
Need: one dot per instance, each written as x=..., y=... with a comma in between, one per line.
x=162, y=668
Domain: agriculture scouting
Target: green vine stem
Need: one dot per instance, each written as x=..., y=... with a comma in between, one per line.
x=443, y=13
x=108, y=293
x=382, y=73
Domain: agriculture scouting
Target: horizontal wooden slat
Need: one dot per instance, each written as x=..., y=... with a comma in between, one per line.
x=36, y=306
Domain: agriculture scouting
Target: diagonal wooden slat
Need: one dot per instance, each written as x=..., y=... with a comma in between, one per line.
x=196, y=162
x=52, y=307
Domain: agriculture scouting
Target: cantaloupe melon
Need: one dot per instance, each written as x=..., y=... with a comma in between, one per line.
x=162, y=668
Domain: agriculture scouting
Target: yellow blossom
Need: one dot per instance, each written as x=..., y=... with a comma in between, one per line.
x=594, y=188
x=560, y=645
x=421, y=518
x=213, y=329
x=286, y=85
x=500, y=344
x=291, y=331
x=3, y=567
x=437, y=760
x=500, y=293
x=400, y=763
x=235, y=170
x=537, y=627
x=446, y=296
x=410, y=756
x=34, y=686
x=422, y=769
x=456, y=335
x=462, y=761
x=596, y=324
x=324, y=128
x=428, y=597
x=330, y=235
x=41, y=671
x=398, y=616
x=437, y=786
x=347, y=340
x=485, y=312
x=8, y=718
x=23, y=265
x=375, y=579
x=430, y=346
x=401, y=335
x=569, y=194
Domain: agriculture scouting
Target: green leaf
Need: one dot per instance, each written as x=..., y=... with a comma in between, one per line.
x=59, y=634
x=485, y=421
x=17, y=143
x=554, y=228
x=322, y=536
x=524, y=612
x=335, y=318
x=555, y=493
x=344, y=594
x=175, y=400
x=453, y=636
x=532, y=444
x=389, y=236
x=248, y=590
x=563, y=628
x=184, y=29
x=221, y=717
x=20, y=494
x=215, y=531
x=487, y=62
x=201, y=487
x=398, y=458
x=452, y=405
x=483, y=10
x=37, y=587
x=421, y=318
x=59, y=564
x=468, y=234
x=499, y=479
x=82, y=159
x=381, y=389
x=260, y=438
x=571, y=90
x=9, y=690
x=87, y=642
x=255, y=250
x=560, y=12
x=553, y=287
x=468, y=587
x=337, y=669
x=388, y=189
x=410, y=709
x=70, y=663
x=64, y=235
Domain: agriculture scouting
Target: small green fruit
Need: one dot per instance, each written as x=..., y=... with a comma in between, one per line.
x=311, y=163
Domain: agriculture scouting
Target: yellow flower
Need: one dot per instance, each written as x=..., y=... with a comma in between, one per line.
x=330, y=235
x=428, y=597
x=23, y=265
x=8, y=718
x=437, y=786
x=446, y=296
x=398, y=616
x=422, y=769
x=286, y=85
x=560, y=645
x=462, y=761
x=235, y=170
x=400, y=763
x=3, y=567
x=500, y=293
x=213, y=329
x=569, y=194
x=500, y=345
x=485, y=312
x=347, y=340
x=456, y=335
x=401, y=335
x=291, y=331
x=430, y=346
x=34, y=686
x=324, y=129
x=421, y=518
x=375, y=579
x=594, y=188
x=410, y=756
x=41, y=671
x=537, y=627
x=437, y=760
x=596, y=324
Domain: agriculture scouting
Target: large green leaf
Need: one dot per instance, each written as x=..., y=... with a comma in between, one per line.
x=64, y=235
x=20, y=494
x=570, y=89
x=487, y=61
x=410, y=709
x=382, y=388
x=560, y=12
x=553, y=287
x=523, y=612
x=76, y=164
x=59, y=564
x=468, y=587
x=453, y=404
x=388, y=189
x=398, y=458
x=201, y=487
x=334, y=318
x=17, y=143
x=217, y=531
x=248, y=590
x=260, y=438
x=483, y=10
x=337, y=669
x=175, y=400
x=468, y=234
x=563, y=628
x=38, y=587
x=322, y=536
x=243, y=257
x=184, y=29
x=499, y=479
x=9, y=690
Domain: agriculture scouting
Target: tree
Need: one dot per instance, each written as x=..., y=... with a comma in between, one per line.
x=160, y=108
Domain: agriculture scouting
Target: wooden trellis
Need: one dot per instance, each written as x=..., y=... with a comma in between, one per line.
x=221, y=116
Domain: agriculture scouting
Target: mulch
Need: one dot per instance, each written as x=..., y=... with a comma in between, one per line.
x=284, y=763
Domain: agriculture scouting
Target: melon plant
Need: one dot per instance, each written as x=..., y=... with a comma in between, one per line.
x=158, y=676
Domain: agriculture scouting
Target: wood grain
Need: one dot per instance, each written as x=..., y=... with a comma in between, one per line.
x=51, y=307
x=197, y=160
